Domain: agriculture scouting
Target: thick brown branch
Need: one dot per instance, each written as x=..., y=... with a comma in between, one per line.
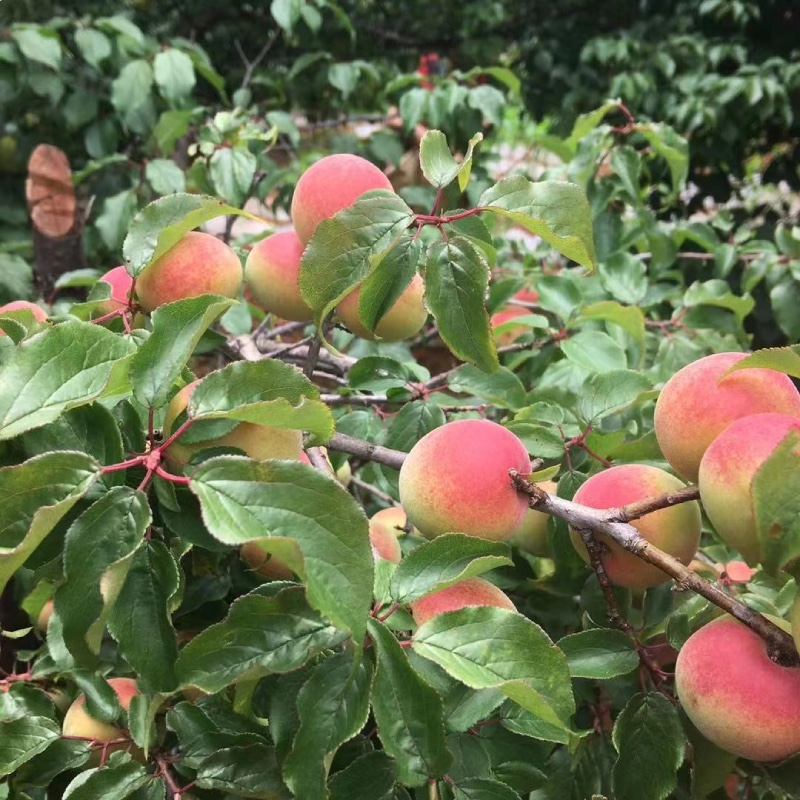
x=343, y=443
x=318, y=459
x=780, y=644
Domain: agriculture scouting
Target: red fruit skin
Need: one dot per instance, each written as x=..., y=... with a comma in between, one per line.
x=465, y=594
x=727, y=471
x=501, y=317
x=455, y=479
x=697, y=404
x=121, y=284
x=39, y=314
x=735, y=695
x=330, y=185
x=675, y=530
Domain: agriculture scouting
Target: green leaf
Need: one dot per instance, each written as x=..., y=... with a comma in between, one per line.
x=97, y=555
x=170, y=127
x=177, y=328
x=483, y=789
x=412, y=422
x=487, y=648
x=624, y=277
x=244, y=499
x=608, y=392
x=586, y=123
x=132, y=86
x=408, y=713
x=445, y=561
x=60, y=756
x=371, y=777
x=556, y=211
x=627, y=166
x=629, y=318
x=780, y=359
x=559, y=294
x=174, y=74
x=501, y=388
x=333, y=706
x=539, y=440
x=232, y=170
x=718, y=293
x=116, y=781
x=338, y=256
x=266, y=392
x=456, y=281
x=21, y=738
x=260, y=635
x=165, y=176
x=672, y=147
x=594, y=351
x=438, y=165
x=140, y=621
x=62, y=367
x=141, y=719
x=249, y=770
x=162, y=223
x=390, y=277
x=776, y=505
x=286, y=13
x=651, y=745
x=38, y=44
x=93, y=44
x=413, y=106
x=34, y=496
x=785, y=298
x=600, y=653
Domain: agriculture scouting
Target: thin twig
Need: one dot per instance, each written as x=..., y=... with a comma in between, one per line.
x=343, y=443
x=318, y=459
x=647, y=506
x=374, y=490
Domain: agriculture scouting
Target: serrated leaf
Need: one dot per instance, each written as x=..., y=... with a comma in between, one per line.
x=651, y=744
x=116, y=781
x=408, y=713
x=140, y=621
x=177, y=328
x=160, y=225
x=249, y=770
x=671, y=146
x=556, y=211
x=483, y=789
x=232, y=170
x=131, y=88
x=22, y=738
x=487, y=647
x=624, y=277
x=501, y=387
x=629, y=318
x=445, y=561
x=165, y=176
x=539, y=440
x=59, y=756
x=141, y=719
x=370, y=777
x=265, y=392
x=608, y=392
x=601, y=653
x=97, y=555
x=718, y=293
x=586, y=123
x=62, y=367
x=456, y=280
x=34, y=496
x=260, y=635
x=332, y=706
x=438, y=165
x=780, y=359
x=594, y=351
x=174, y=73
x=338, y=256
x=244, y=499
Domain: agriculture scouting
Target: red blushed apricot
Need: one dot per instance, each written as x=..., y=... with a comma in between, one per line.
x=393, y=520
x=465, y=594
x=384, y=544
x=676, y=530
x=271, y=274
x=265, y=564
x=257, y=441
x=39, y=314
x=735, y=695
x=527, y=296
x=697, y=404
x=727, y=471
x=531, y=535
x=330, y=185
x=455, y=479
x=121, y=284
x=405, y=318
x=198, y=264
x=501, y=317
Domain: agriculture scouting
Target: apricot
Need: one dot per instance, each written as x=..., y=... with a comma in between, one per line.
x=78, y=722
x=383, y=534
x=727, y=471
x=39, y=314
x=121, y=284
x=265, y=564
x=257, y=441
x=392, y=520
x=198, y=264
x=736, y=696
x=676, y=529
x=501, y=317
x=464, y=594
x=697, y=404
x=271, y=274
x=455, y=479
x=527, y=296
x=43, y=620
x=531, y=535
x=405, y=318
x=330, y=185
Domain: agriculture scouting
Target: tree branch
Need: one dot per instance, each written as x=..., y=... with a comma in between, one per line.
x=343, y=443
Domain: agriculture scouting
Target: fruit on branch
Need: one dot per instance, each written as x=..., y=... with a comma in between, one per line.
x=697, y=404
x=121, y=284
x=383, y=539
x=43, y=620
x=39, y=314
x=271, y=274
x=531, y=535
x=393, y=520
x=455, y=479
x=330, y=185
x=527, y=296
x=78, y=722
x=265, y=564
x=675, y=530
x=257, y=441
x=507, y=337
x=727, y=471
x=464, y=594
x=197, y=264
x=736, y=696
x=404, y=319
